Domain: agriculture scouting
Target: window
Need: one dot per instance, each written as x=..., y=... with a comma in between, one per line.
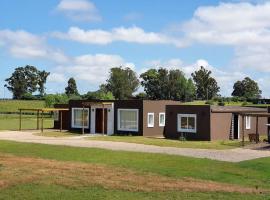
x=150, y=120
x=128, y=120
x=248, y=122
x=80, y=119
x=161, y=119
x=187, y=123
x=56, y=115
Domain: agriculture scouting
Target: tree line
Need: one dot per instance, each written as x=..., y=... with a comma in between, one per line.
x=123, y=83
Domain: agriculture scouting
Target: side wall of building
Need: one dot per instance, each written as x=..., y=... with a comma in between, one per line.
x=202, y=121
x=220, y=126
x=65, y=118
x=155, y=107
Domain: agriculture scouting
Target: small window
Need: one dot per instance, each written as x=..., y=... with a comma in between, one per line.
x=56, y=115
x=150, y=120
x=187, y=123
x=161, y=119
x=248, y=122
x=80, y=118
x=128, y=120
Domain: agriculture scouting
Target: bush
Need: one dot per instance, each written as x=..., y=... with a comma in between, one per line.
x=244, y=103
x=52, y=99
x=221, y=103
x=209, y=102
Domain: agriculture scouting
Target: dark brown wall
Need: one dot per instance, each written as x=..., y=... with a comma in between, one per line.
x=155, y=107
x=129, y=104
x=65, y=117
x=220, y=126
x=203, y=121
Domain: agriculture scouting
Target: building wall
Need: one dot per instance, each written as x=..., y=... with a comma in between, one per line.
x=203, y=121
x=128, y=104
x=155, y=107
x=220, y=126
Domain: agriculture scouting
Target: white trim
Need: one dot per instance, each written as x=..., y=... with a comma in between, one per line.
x=159, y=123
x=179, y=129
x=118, y=119
x=72, y=118
x=248, y=122
x=148, y=124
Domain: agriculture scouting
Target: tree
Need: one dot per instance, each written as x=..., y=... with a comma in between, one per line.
x=71, y=89
x=164, y=84
x=26, y=80
x=52, y=99
x=101, y=94
x=122, y=83
x=206, y=86
x=246, y=88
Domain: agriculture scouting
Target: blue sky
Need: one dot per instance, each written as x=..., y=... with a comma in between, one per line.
x=85, y=38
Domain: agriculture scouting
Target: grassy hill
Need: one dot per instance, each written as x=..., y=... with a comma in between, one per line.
x=14, y=105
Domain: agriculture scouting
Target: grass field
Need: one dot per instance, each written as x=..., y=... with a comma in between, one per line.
x=11, y=122
x=170, y=143
x=36, y=171
x=14, y=105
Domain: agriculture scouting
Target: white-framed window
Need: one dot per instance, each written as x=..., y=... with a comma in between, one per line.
x=150, y=120
x=161, y=119
x=56, y=115
x=248, y=122
x=187, y=123
x=128, y=119
x=80, y=119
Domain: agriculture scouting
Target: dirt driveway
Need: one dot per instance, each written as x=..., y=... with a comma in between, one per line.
x=231, y=155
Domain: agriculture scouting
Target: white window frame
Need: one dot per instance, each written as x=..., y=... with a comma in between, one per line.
x=159, y=122
x=72, y=118
x=118, y=120
x=248, y=122
x=148, y=124
x=179, y=129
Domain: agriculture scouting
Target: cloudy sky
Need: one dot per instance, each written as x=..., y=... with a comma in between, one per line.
x=85, y=38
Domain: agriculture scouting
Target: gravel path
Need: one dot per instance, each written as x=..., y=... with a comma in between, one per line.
x=232, y=155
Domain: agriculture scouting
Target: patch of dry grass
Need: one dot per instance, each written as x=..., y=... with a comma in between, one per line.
x=20, y=170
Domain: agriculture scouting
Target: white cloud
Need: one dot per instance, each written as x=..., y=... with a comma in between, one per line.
x=22, y=44
x=94, y=69
x=244, y=26
x=132, y=34
x=56, y=78
x=79, y=10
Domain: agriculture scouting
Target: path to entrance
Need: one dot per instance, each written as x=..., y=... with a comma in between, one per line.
x=231, y=155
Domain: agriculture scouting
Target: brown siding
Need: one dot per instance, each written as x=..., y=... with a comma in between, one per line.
x=155, y=107
x=262, y=128
x=129, y=104
x=220, y=126
x=203, y=121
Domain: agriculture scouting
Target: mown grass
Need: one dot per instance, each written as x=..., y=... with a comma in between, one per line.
x=170, y=143
x=14, y=105
x=11, y=122
x=253, y=173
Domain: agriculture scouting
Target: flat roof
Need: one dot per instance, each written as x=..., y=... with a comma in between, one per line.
x=237, y=109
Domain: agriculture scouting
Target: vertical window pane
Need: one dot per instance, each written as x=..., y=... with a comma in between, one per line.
x=184, y=122
x=56, y=115
x=191, y=123
x=80, y=118
x=150, y=119
x=162, y=119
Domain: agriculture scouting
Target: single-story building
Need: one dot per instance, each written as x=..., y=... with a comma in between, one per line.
x=161, y=118
x=136, y=117
x=206, y=122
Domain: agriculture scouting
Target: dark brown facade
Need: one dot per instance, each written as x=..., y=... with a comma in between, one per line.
x=65, y=117
x=214, y=123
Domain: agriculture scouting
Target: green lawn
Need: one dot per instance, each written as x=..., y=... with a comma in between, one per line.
x=14, y=105
x=253, y=173
x=11, y=122
x=170, y=143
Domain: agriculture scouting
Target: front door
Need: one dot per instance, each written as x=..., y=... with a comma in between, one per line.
x=99, y=120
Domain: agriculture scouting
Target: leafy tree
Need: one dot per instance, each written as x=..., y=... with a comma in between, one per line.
x=246, y=88
x=122, y=83
x=52, y=99
x=25, y=80
x=71, y=89
x=141, y=95
x=206, y=86
x=164, y=84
